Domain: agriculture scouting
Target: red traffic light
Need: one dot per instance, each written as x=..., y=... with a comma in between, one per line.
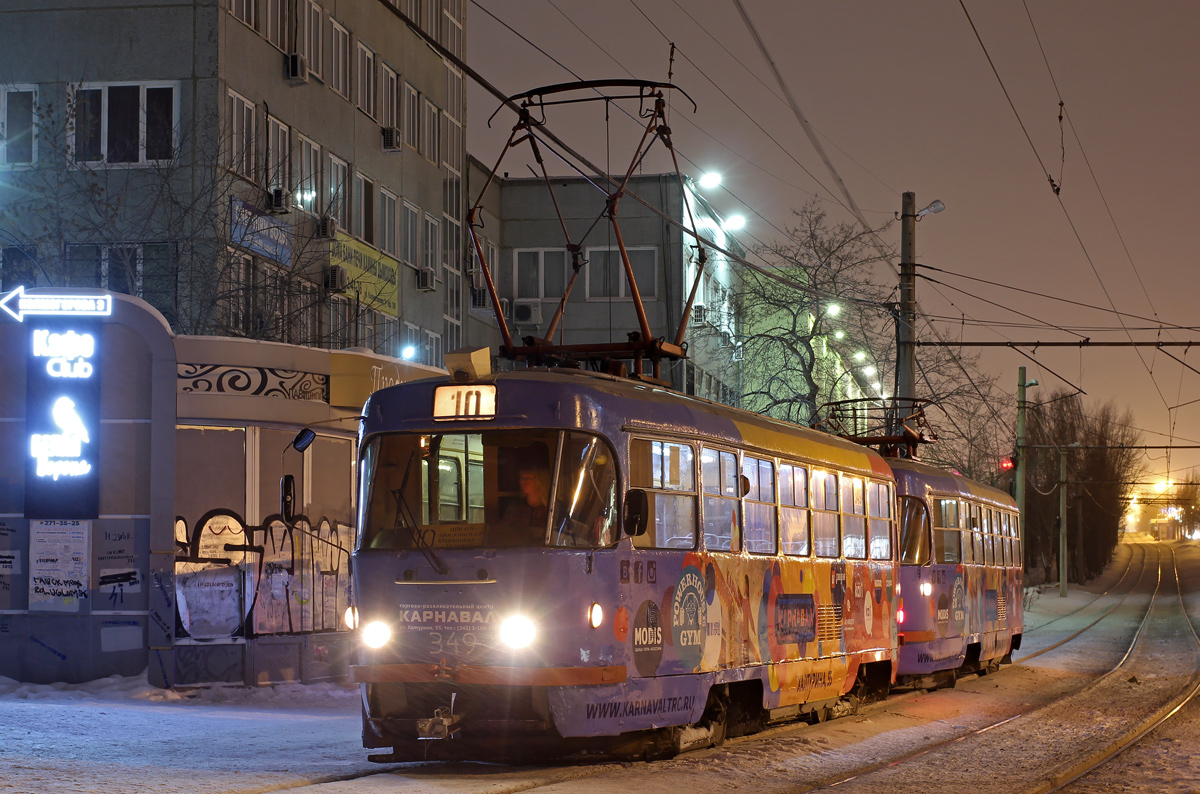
x=1006, y=464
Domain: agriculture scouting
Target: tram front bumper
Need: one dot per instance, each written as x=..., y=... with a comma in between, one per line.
x=479, y=674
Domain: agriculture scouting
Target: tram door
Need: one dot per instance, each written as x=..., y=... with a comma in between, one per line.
x=663, y=561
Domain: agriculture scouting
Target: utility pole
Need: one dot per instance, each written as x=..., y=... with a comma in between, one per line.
x=906, y=322
x=1062, y=523
x=1019, y=470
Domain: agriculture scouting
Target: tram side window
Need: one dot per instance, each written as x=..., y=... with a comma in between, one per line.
x=585, y=503
x=1018, y=559
x=760, y=505
x=793, y=513
x=976, y=532
x=879, y=522
x=854, y=522
x=989, y=538
x=1002, y=553
x=450, y=490
x=475, y=499
x=825, y=516
x=722, y=492
x=914, y=531
x=947, y=540
x=666, y=471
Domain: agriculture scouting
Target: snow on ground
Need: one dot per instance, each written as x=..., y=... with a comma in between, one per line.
x=121, y=736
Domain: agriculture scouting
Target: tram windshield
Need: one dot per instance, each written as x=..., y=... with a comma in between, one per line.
x=914, y=531
x=493, y=489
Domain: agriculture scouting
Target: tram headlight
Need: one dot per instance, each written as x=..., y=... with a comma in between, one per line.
x=376, y=634
x=926, y=588
x=350, y=618
x=517, y=631
x=595, y=615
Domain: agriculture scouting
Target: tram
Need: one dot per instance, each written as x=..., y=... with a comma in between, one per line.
x=960, y=575
x=578, y=560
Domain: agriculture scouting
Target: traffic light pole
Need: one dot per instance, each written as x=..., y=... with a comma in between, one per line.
x=1019, y=473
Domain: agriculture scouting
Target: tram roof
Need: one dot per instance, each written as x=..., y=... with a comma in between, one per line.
x=609, y=404
x=942, y=481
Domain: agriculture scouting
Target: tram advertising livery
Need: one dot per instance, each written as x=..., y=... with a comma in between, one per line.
x=560, y=557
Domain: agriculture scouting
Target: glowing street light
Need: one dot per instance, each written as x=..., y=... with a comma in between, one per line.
x=839, y=334
x=833, y=310
x=869, y=371
x=408, y=353
x=734, y=222
x=860, y=356
x=710, y=180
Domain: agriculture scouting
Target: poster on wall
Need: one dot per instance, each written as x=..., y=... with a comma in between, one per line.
x=60, y=557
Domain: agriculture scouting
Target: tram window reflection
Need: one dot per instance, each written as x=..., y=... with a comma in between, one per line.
x=722, y=505
x=854, y=523
x=914, y=531
x=666, y=471
x=793, y=513
x=825, y=516
x=760, y=505
x=879, y=526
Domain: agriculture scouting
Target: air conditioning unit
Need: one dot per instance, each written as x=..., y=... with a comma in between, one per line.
x=527, y=312
x=326, y=228
x=278, y=201
x=505, y=308
x=335, y=278
x=393, y=139
x=297, y=69
x=426, y=279
x=698, y=313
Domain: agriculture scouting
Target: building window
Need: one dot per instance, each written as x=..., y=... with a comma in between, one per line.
x=307, y=175
x=144, y=270
x=539, y=273
x=412, y=117
x=122, y=123
x=336, y=203
x=337, y=323
x=606, y=273
x=388, y=223
x=241, y=135
x=362, y=209
x=410, y=236
x=243, y=10
x=233, y=294
x=277, y=23
x=278, y=154
x=389, y=97
x=431, y=256
x=366, y=80
x=413, y=343
x=17, y=267
x=309, y=36
x=18, y=139
x=304, y=311
x=433, y=349
x=339, y=60
x=429, y=130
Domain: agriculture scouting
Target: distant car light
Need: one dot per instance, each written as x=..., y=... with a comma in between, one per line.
x=351, y=618
x=517, y=631
x=926, y=588
x=596, y=615
x=376, y=634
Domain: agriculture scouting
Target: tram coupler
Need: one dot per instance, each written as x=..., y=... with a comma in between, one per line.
x=442, y=725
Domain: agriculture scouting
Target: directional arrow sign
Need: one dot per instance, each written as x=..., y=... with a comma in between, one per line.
x=18, y=304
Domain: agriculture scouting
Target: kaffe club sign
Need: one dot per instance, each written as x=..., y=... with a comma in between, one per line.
x=62, y=419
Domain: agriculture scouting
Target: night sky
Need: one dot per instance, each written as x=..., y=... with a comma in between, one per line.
x=904, y=98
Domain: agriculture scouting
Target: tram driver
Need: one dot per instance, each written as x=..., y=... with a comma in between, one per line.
x=523, y=522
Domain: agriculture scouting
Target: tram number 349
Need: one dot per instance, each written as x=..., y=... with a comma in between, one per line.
x=464, y=402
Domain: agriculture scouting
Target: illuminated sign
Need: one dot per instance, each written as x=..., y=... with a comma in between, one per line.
x=464, y=402
x=19, y=305
x=62, y=418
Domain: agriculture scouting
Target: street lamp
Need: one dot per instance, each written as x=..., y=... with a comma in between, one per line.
x=733, y=223
x=710, y=180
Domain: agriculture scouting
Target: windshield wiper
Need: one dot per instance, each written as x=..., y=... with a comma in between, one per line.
x=405, y=518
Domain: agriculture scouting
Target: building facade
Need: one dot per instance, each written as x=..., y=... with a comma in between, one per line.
x=286, y=170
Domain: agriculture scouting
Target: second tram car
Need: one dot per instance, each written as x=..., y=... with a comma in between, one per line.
x=960, y=575
x=566, y=557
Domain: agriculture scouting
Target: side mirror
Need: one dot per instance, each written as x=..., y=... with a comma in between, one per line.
x=303, y=439
x=287, y=498
x=637, y=512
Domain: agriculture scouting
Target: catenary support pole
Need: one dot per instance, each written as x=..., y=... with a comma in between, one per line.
x=1019, y=471
x=1062, y=523
x=906, y=335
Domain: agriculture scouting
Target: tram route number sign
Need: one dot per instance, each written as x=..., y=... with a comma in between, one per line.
x=472, y=401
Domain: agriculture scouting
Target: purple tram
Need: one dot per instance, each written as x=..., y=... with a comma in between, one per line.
x=960, y=575
x=579, y=562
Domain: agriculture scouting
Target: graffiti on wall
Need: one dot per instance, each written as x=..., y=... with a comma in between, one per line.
x=234, y=580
